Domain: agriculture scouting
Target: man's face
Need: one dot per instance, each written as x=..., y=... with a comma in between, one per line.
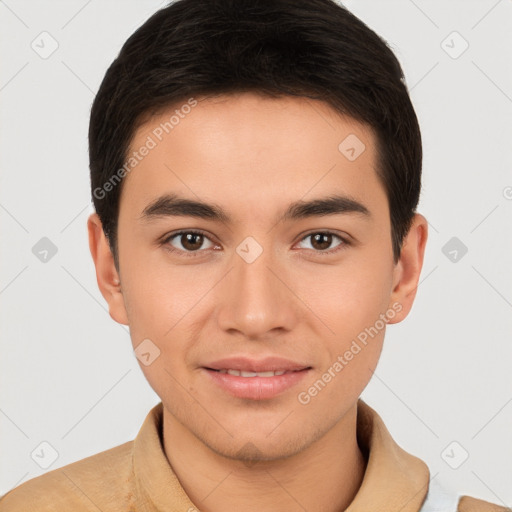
x=255, y=286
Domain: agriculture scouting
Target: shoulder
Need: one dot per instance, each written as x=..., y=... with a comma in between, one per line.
x=93, y=483
x=469, y=504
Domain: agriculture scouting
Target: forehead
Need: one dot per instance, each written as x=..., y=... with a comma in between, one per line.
x=250, y=150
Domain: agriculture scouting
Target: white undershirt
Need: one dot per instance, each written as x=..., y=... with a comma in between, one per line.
x=439, y=499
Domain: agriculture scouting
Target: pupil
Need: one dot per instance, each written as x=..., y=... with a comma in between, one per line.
x=325, y=244
x=190, y=238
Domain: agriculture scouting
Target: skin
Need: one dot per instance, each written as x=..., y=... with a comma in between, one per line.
x=253, y=156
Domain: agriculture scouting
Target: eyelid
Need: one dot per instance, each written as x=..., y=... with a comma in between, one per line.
x=327, y=231
x=345, y=240
x=165, y=241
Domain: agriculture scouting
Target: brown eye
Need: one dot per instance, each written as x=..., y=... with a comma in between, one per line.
x=187, y=241
x=191, y=241
x=322, y=242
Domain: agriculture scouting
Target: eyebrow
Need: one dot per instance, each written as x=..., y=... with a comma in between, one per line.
x=170, y=205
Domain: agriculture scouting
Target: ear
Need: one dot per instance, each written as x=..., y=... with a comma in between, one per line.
x=408, y=268
x=106, y=272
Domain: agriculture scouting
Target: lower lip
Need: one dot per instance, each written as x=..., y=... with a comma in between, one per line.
x=256, y=388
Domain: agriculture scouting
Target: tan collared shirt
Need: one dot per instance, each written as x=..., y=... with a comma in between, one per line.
x=137, y=477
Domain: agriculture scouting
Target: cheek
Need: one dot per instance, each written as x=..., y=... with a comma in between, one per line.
x=348, y=297
x=169, y=307
x=159, y=296
x=352, y=310
x=157, y=311
x=350, y=300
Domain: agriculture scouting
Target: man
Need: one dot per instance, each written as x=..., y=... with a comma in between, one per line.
x=255, y=170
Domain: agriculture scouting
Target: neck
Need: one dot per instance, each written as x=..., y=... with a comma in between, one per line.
x=323, y=477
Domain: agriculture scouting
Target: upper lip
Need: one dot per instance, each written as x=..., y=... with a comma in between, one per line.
x=267, y=364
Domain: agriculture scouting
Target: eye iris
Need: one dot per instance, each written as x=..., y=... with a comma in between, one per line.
x=327, y=240
x=189, y=241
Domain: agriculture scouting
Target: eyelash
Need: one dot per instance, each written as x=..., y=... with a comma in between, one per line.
x=192, y=254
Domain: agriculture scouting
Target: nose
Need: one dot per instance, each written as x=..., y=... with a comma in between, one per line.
x=257, y=298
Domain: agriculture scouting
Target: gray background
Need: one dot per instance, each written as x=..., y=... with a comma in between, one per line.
x=68, y=375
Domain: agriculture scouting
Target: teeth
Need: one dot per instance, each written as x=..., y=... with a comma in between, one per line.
x=241, y=373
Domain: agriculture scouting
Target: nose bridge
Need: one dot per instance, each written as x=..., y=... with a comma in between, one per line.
x=254, y=299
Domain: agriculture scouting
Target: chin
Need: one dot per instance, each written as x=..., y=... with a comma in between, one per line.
x=251, y=448
x=253, y=451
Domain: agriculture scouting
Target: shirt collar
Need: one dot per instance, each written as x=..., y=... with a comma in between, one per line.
x=394, y=480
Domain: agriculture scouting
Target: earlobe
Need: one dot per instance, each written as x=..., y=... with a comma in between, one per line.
x=408, y=268
x=107, y=276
